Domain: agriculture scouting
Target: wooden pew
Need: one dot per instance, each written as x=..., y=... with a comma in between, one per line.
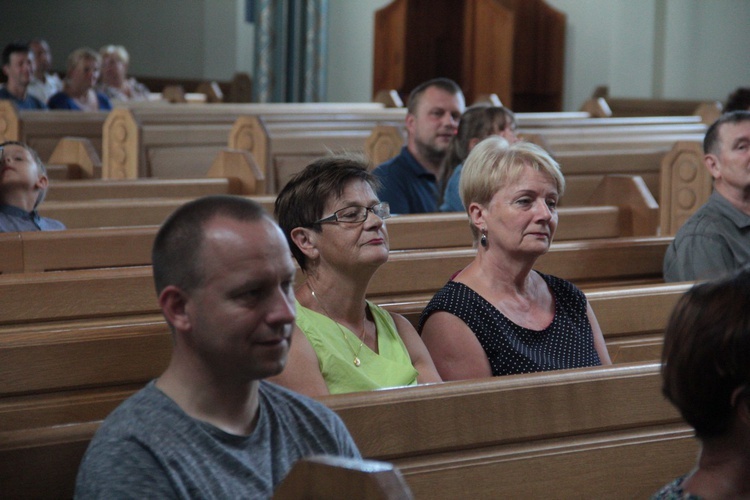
x=43, y=130
x=284, y=144
x=579, y=433
x=43, y=463
x=120, y=212
x=707, y=110
x=125, y=212
x=131, y=246
x=79, y=368
x=685, y=185
x=238, y=89
x=88, y=293
x=180, y=140
x=232, y=172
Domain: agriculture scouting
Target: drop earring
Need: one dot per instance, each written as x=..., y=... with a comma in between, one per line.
x=483, y=239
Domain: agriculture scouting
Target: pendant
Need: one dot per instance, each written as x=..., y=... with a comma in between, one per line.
x=357, y=362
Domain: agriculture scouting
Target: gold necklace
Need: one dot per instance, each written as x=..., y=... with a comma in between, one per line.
x=356, y=361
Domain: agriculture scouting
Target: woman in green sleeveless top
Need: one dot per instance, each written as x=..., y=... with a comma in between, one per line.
x=335, y=226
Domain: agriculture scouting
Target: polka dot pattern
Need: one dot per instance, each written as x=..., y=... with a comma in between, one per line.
x=567, y=342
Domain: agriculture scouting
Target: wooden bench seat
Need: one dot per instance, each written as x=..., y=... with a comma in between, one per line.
x=179, y=141
x=579, y=433
x=407, y=273
x=42, y=131
x=131, y=246
x=707, y=110
x=43, y=463
x=63, y=371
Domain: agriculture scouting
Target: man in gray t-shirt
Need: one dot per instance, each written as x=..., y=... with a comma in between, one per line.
x=209, y=427
x=716, y=239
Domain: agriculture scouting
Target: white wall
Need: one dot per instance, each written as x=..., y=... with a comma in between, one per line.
x=691, y=49
x=351, y=30
x=680, y=49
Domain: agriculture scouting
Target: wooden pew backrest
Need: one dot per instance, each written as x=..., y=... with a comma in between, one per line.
x=685, y=185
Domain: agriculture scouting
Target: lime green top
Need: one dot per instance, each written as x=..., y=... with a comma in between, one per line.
x=391, y=367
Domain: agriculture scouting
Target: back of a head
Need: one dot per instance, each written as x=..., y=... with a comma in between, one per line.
x=176, y=253
x=302, y=200
x=739, y=100
x=441, y=83
x=706, y=355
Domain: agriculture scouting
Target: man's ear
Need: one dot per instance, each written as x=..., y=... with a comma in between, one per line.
x=173, y=302
x=305, y=239
x=711, y=161
x=5, y=69
x=410, y=120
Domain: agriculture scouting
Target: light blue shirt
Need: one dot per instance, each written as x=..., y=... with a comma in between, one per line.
x=451, y=198
x=14, y=219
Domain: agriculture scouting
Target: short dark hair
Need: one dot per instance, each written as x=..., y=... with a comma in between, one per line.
x=442, y=83
x=739, y=100
x=706, y=354
x=12, y=48
x=711, y=141
x=304, y=197
x=176, y=254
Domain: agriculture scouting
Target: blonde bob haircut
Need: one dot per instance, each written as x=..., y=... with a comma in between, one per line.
x=82, y=54
x=493, y=164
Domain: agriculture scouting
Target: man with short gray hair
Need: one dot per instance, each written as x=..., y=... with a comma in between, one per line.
x=716, y=239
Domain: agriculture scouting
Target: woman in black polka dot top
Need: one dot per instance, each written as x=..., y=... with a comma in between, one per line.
x=498, y=316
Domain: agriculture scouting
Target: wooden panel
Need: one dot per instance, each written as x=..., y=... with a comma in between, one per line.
x=389, y=47
x=93, y=295
x=11, y=253
x=685, y=185
x=87, y=249
x=487, y=71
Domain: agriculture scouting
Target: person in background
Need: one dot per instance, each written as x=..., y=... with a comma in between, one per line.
x=78, y=93
x=477, y=122
x=44, y=83
x=335, y=226
x=716, y=238
x=23, y=184
x=706, y=376
x=18, y=66
x=210, y=426
x=739, y=100
x=115, y=83
x=409, y=181
x=498, y=316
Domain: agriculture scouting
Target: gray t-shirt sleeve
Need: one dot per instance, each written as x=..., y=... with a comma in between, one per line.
x=697, y=257
x=130, y=470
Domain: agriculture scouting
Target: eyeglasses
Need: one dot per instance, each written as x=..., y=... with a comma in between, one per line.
x=356, y=214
